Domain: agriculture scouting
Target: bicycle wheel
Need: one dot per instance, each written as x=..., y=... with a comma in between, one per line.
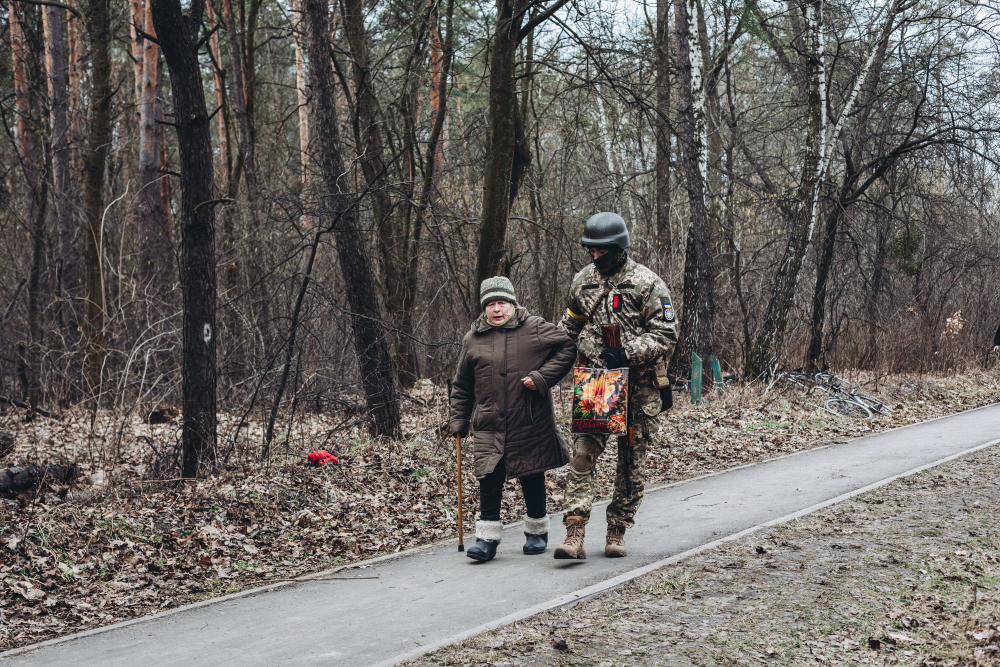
x=877, y=407
x=847, y=408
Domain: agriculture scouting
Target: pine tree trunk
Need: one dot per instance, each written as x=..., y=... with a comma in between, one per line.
x=375, y=365
x=34, y=204
x=69, y=229
x=178, y=35
x=154, y=241
x=219, y=86
x=94, y=166
x=238, y=68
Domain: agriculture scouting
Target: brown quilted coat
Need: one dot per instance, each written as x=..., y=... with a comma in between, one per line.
x=509, y=420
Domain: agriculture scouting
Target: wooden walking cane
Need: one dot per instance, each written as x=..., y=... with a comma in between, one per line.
x=458, y=459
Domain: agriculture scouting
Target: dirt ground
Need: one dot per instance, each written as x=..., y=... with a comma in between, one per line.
x=908, y=574
x=123, y=542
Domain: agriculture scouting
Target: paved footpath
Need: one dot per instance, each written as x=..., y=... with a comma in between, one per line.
x=433, y=595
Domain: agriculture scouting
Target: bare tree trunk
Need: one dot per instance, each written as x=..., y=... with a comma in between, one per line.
x=154, y=241
x=697, y=319
x=94, y=166
x=827, y=246
x=35, y=202
x=375, y=364
x=69, y=230
x=178, y=35
x=301, y=92
x=219, y=85
x=661, y=129
x=76, y=111
x=767, y=345
x=238, y=68
x=398, y=235
x=502, y=142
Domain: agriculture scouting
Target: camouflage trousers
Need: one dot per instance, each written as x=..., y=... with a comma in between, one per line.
x=581, y=483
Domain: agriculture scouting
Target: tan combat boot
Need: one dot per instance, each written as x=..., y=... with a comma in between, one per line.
x=573, y=546
x=615, y=548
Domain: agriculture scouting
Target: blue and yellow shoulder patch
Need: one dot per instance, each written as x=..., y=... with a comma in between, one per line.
x=668, y=312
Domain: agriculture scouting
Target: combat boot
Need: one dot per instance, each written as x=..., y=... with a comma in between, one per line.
x=573, y=546
x=615, y=547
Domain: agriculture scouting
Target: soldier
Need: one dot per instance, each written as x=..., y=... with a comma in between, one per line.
x=614, y=288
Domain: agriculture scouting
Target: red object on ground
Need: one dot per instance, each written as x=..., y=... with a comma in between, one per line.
x=321, y=457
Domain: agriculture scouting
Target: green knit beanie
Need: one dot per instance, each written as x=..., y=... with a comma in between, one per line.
x=497, y=288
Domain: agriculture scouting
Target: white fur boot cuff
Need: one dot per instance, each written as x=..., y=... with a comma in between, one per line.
x=536, y=526
x=489, y=530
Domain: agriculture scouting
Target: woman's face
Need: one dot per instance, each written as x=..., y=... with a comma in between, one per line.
x=498, y=311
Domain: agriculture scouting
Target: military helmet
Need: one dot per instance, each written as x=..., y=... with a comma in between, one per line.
x=605, y=229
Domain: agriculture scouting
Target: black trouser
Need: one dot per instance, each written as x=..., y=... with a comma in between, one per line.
x=491, y=493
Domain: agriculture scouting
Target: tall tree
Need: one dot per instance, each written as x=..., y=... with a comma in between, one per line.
x=697, y=318
x=94, y=168
x=374, y=362
x=59, y=140
x=154, y=232
x=661, y=129
x=500, y=181
x=34, y=201
x=763, y=357
x=178, y=36
x=238, y=67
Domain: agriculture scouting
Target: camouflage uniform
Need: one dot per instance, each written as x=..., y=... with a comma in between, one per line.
x=649, y=331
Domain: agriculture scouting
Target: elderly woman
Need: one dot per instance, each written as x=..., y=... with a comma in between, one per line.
x=509, y=362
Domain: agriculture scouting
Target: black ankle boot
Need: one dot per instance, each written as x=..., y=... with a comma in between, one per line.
x=483, y=550
x=535, y=544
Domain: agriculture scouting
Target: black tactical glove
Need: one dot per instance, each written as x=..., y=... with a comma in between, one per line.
x=615, y=357
x=460, y=429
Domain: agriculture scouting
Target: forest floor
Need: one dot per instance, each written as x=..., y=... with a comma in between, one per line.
x=122, y=542
x=906, y=574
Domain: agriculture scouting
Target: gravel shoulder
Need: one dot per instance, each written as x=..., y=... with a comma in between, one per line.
x=907, y=574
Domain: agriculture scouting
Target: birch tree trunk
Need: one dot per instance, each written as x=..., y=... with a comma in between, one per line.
x=370, y=344
x=178, y=35
x=697, y=316
x=763, y=357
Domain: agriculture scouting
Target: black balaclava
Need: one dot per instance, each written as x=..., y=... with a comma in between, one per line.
x=609, y=263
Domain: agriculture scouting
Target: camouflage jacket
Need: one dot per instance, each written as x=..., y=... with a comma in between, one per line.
x=640, y=302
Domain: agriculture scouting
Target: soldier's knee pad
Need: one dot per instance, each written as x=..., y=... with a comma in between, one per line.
x=580, y=462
